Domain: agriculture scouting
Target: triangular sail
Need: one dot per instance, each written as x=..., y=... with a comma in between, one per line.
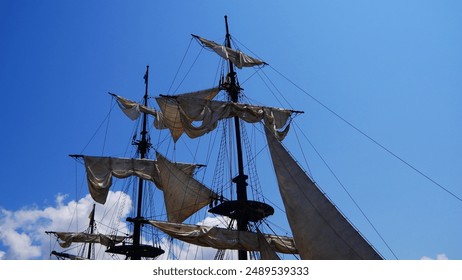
x=183, y=194
x=221, y=238
x=238, y=58
x=320, y=230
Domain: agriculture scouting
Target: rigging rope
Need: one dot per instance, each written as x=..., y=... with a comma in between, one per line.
x=107, y=126
x=369, y=137
x=347, y=192
x=189, y=70
x=266, y=223
x=254, y=185
x=97, y=129
x=179, y=67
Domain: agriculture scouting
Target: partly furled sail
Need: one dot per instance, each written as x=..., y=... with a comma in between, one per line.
x=166, y=118
x=196, y=116
x=67, y=238
x=221, y=238
x=320, y=231
x=100, y=171
x=238, y=58
x=183, y=194
x=170, y=117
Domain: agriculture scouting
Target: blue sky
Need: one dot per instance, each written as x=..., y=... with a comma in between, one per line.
x=391, y=68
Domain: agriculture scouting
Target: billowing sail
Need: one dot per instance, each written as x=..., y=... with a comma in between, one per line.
x=238, y=58
x=196, y=116
x=221, y=238
x=320, y=231
x=183, y=194
x=67, y=238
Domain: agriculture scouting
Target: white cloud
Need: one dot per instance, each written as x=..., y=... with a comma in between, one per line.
x=215, y=221
x=22, y=232
x=20, y=245
x=438, y=257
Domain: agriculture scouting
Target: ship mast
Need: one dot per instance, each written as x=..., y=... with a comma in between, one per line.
x=137, y=250
x=240, y=180
x=92, y=227
x=242, y=210
x=143, y=147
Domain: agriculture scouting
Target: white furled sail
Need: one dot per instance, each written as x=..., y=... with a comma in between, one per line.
x=320, y=231
x=67, y=238
x=183, y=194
x=196, y=116
x=221, y=238
x=238, y=58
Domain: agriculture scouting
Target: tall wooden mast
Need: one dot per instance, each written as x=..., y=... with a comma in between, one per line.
x=242, y=210
x=143, y=147
x=240, y=180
